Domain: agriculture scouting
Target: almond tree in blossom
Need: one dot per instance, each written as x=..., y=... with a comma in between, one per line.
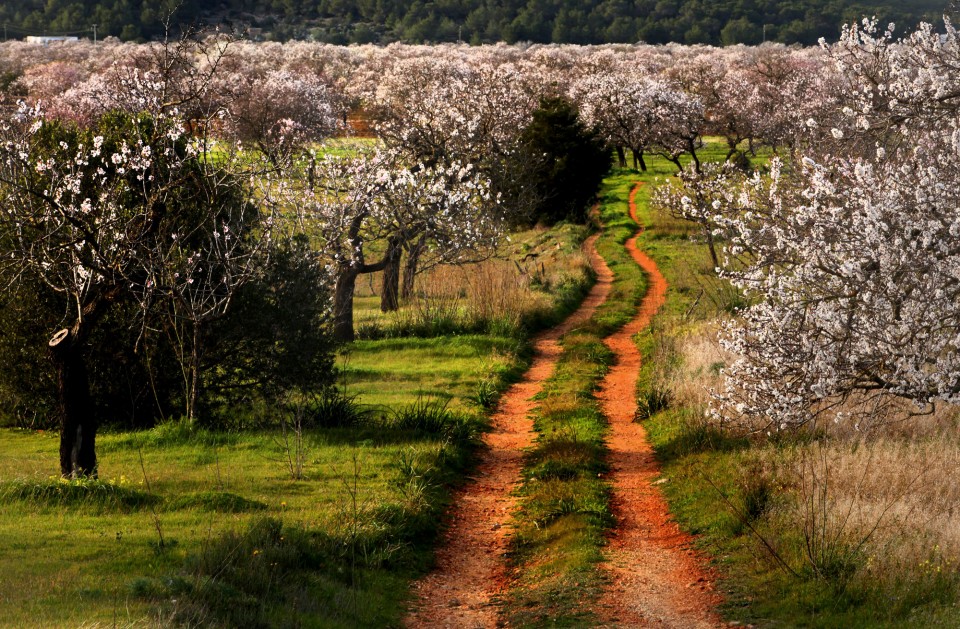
x=88, y=212
x=128, y=207
x=851, y=251
x=620, y=108
x=701, y=196
x=445, y=113
x=377, y=198
x=677, y=123
x=278, y=112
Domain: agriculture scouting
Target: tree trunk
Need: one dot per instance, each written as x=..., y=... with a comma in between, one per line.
x=621, y=157
x=78, y=423
x=193, y=393
x=710, y=244
x=732, y=147
x=390, y=282
x=312, y=172
x=411, y=268
x=343, y=303
x=638, y=162
x=693, y=153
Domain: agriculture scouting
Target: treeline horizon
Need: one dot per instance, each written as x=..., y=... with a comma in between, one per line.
x=720, y=22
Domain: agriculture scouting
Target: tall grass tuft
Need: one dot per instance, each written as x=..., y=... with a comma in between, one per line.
x=433, y=417
x=335, y=409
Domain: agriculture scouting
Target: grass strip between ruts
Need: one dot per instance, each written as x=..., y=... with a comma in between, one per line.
x=564, y=507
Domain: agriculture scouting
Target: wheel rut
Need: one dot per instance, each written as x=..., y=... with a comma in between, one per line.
x=470, y=572
x=656, y=577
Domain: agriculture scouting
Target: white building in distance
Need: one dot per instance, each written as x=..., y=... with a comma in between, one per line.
x=48, y=39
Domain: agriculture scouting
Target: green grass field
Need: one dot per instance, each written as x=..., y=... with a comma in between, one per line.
x=209, y=528
x=70, y=559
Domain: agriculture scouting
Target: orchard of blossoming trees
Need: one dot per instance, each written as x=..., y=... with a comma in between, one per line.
x=156, y=184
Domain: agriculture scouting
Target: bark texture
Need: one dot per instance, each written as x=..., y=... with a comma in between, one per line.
x=78, y=422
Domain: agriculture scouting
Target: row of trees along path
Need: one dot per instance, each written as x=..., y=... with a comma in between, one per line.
x=655, y=576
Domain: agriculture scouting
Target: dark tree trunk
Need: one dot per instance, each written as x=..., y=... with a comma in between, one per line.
x=347, y=282
x=312, y=172
x=710, y=244
x=621, y=157
x=638, y=162
x=390, y=283
x=78, y=422
x=411, y=268
x=693, y=153
x=732, y=144
x=343, y=303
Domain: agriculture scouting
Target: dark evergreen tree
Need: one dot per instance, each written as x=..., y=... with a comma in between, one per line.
x=566, y=161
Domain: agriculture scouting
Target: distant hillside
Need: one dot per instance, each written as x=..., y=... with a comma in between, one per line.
x=475, y=21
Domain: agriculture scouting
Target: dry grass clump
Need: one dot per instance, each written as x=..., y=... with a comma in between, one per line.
x=497, y=291
x=473, y=296
x=439, y=299
x=698, y=372
x=685, y=366
x=877, y=510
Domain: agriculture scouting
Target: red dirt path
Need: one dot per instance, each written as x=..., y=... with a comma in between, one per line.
x=470, y=573
x=657, y=579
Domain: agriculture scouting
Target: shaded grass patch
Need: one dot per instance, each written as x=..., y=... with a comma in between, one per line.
x=215, y=501
x=87, y=493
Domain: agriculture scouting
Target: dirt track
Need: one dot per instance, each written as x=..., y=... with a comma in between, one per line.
x=470, y=571
x=656, y=577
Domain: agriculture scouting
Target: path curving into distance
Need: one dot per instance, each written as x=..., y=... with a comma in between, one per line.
x=470, y=572
x=656, y=578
